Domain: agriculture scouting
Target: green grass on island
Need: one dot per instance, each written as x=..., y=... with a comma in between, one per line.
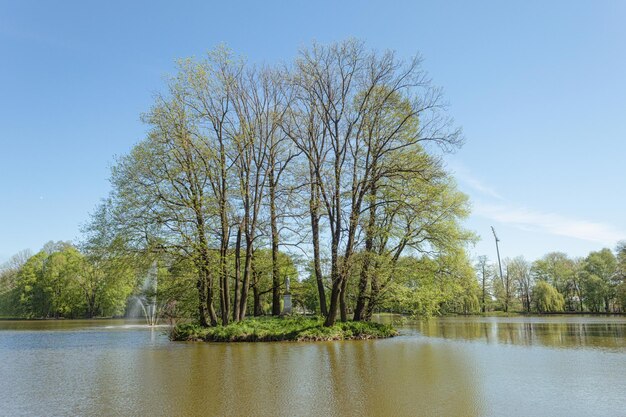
x=276, y=329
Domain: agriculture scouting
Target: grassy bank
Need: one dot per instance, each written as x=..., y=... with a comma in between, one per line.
x=273, y=329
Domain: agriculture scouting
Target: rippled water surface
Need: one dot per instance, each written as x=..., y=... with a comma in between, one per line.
x=528, y=366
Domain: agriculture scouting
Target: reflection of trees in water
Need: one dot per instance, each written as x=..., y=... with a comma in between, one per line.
x=402, y=378
x=399, y=376
x=565, y=334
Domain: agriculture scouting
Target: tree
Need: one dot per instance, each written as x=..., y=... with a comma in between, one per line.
x=160, y=188
x=559, y=271
x=484, y=271
x=429, y=286
x=599, y=279
x=503, y=287
x=621, y=276
x=59, y=274
x=211, y=87
x=46, y=284
x=519, y=270
x=354, y=96
x=546, y=298
x=108, y=273
x=9, y=294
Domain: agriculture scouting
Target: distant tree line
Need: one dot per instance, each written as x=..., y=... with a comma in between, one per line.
x=62, y=282
x=557, y=283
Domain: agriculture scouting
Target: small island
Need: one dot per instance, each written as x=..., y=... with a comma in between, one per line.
x=282, y=329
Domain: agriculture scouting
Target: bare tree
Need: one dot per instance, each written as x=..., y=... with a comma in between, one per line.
x=520, y=271
x=483, y=269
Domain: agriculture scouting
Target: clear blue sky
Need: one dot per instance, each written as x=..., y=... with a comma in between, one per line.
x=539, y=88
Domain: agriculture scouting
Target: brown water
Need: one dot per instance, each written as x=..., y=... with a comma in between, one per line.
x=554, y=366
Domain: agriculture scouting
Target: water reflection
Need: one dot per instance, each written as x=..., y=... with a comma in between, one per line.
x=559, y=332
x=115, y=369
x=335, y=379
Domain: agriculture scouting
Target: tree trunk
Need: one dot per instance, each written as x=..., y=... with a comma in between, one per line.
x=205, y=272
x=483, y=298
x=373, y=299
x=91, y=306
x=336, y=286
x=334, y=303
x=340, y=275
x=224, y=290
x=258, y=311
x=236, y=300
x=315, y=233
x=210, y=308
x=369, y=244
x=201, y=285
x=361, y=300
x=343, y=307
x=245, y=285
x=274, y=230
x=346, y=265
x=580, y=299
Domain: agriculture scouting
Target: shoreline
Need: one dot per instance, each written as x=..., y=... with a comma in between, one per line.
x=488, y=314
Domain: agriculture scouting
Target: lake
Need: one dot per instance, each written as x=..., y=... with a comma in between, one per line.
x=477, y=366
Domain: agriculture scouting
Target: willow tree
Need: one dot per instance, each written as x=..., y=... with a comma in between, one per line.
x=558, y=270
x=546, y=298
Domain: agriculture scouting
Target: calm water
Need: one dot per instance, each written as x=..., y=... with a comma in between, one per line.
x=554, y=366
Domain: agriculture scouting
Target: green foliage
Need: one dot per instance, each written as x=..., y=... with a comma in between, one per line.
x=62, y=282
x=433, y=286
x=546, y=298
x=46, y=283
x=9, y=293
x=262, y=277
x=598, y=280
x=176, y=288
x=306, y=293
x=282, y=329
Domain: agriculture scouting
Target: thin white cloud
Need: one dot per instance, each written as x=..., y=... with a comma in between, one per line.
x=463, y=175
x=551, y=223
x=481, y=187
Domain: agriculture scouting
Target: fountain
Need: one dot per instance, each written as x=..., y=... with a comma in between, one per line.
x=147, y=299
